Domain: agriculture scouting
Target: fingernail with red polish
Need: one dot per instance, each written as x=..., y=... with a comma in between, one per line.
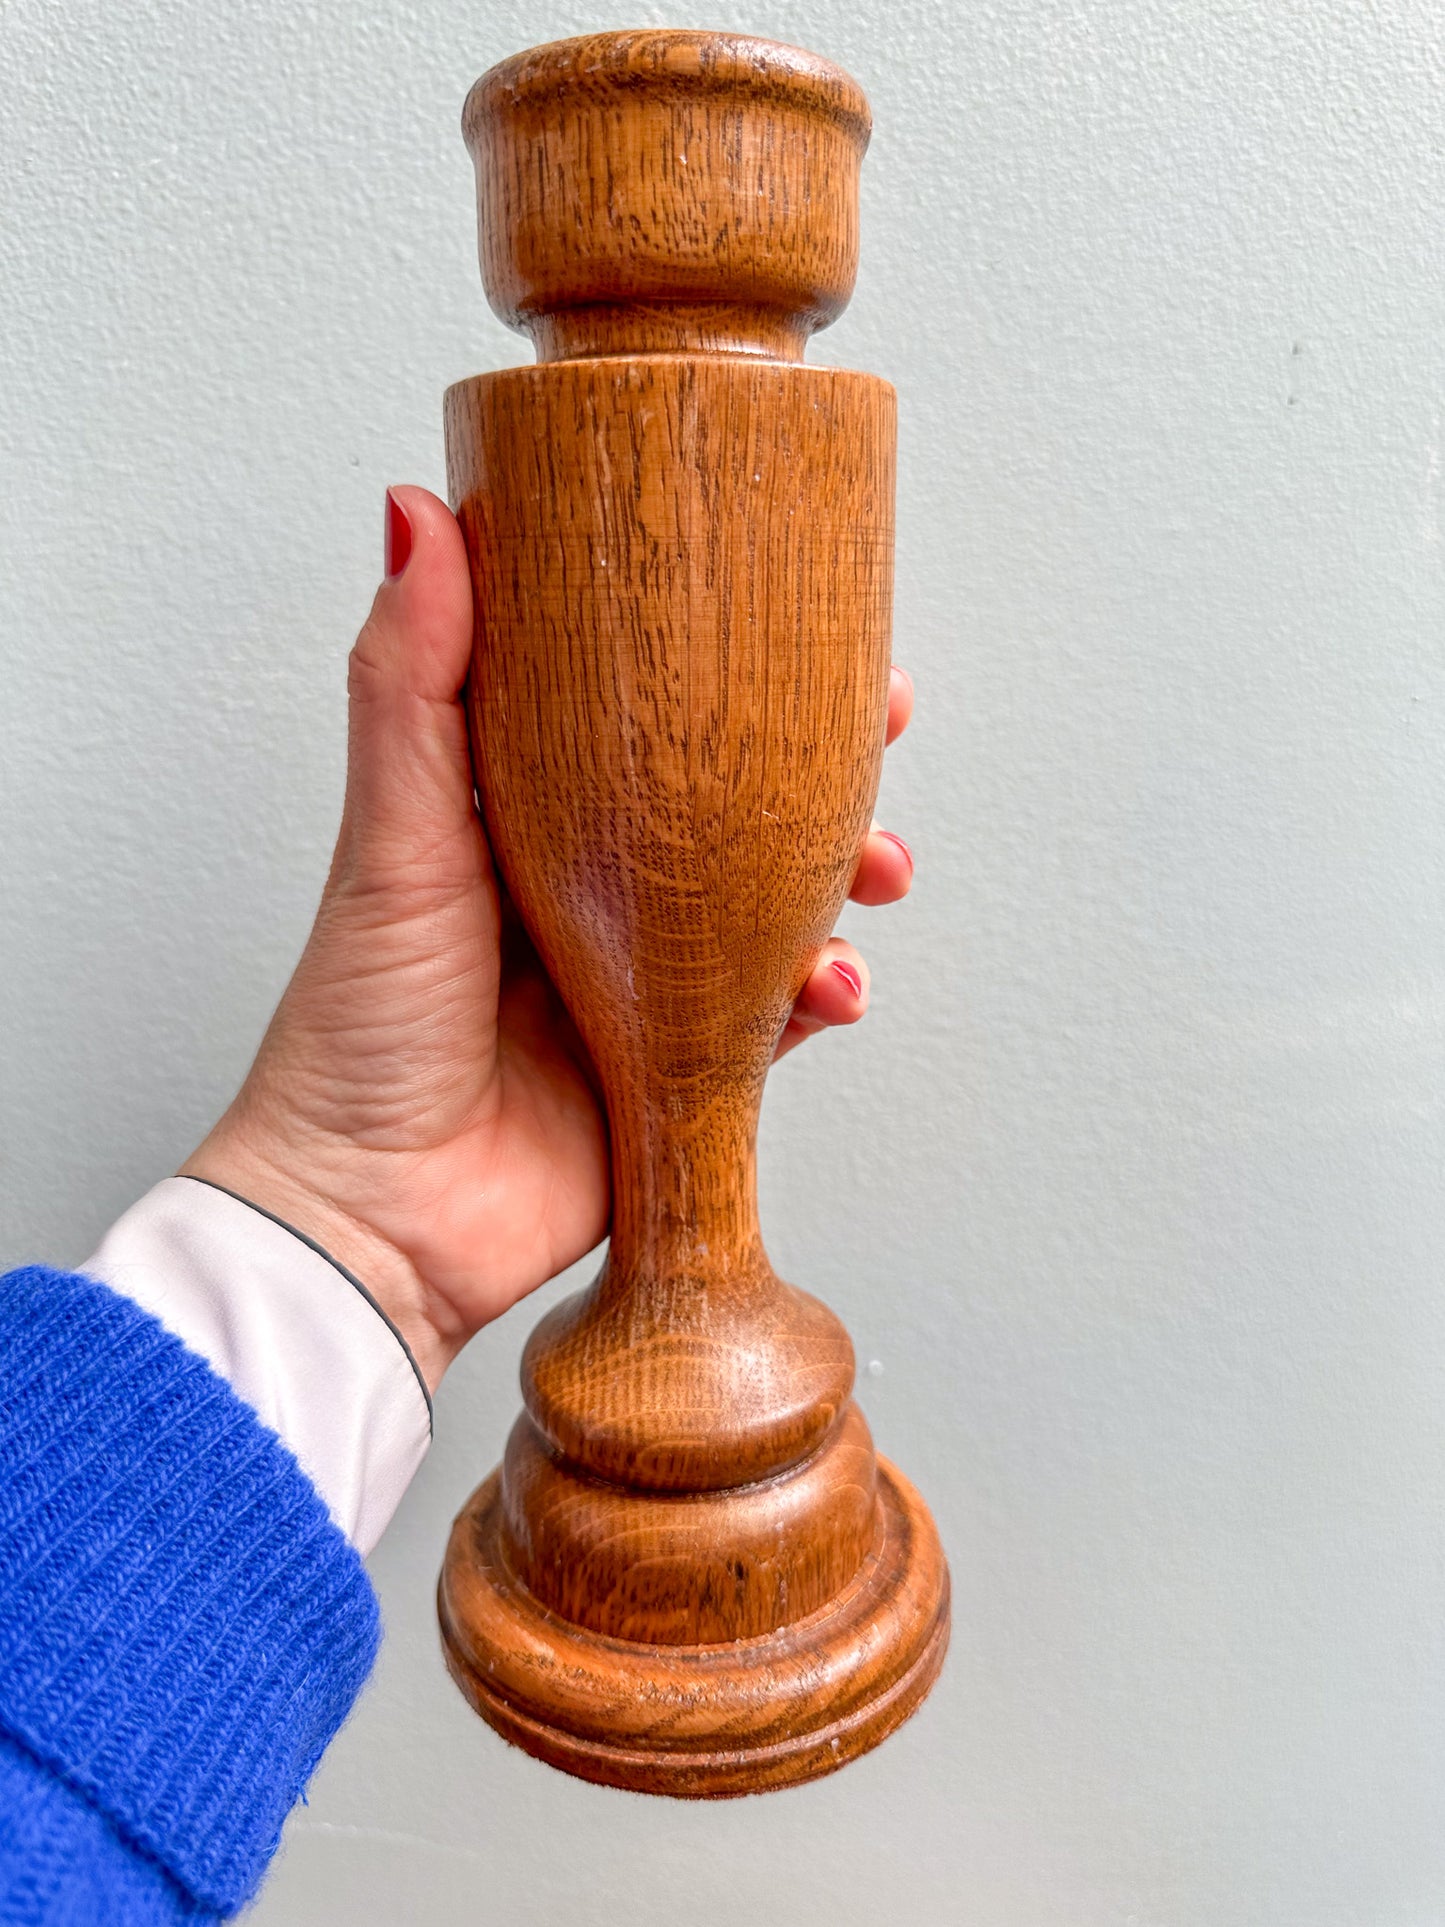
x=398, y=538
x=850, y=977
x=900, y=844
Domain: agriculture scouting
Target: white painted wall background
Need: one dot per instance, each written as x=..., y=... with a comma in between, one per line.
x=1132, y=1181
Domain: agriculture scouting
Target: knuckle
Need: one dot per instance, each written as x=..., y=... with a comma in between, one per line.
x=366, y=667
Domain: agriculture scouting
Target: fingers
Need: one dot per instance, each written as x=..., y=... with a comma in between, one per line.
x=900, y=702
x=835, y=993
x=885, y=870
x=409, y=806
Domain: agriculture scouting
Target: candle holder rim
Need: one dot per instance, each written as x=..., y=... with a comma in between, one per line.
x=631, y=61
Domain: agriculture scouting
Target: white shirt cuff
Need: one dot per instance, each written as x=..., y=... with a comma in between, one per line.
x=297, y=1337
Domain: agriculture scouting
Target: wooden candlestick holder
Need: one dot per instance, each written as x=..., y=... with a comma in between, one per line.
x=691, y=1574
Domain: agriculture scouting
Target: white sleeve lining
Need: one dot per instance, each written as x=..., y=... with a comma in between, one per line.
x=297, y=1337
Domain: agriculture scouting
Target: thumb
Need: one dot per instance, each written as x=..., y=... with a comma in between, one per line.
x=409, y=812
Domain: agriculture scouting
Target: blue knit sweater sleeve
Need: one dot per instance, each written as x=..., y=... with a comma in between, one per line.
x=182, y=1626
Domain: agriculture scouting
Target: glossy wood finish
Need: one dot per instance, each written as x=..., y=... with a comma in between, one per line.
x=710, y=1721
x=691, y=1574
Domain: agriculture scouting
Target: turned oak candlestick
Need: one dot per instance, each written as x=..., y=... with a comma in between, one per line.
x=691, y=1574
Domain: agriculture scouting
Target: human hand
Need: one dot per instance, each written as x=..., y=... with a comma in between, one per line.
x=421, y=1104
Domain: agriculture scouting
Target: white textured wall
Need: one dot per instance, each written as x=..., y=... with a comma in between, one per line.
x=1133, y=1180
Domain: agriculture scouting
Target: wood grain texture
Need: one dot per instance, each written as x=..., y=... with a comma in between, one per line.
x=707, y=1721
x=599, y=164
x=690, y=1574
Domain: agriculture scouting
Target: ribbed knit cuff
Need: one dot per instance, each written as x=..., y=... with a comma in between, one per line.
x=182, y=1626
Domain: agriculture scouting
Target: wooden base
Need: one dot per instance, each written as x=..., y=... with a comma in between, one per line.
x=700, y=1722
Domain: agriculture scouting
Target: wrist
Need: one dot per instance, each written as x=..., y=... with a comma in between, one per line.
x=294, y=1188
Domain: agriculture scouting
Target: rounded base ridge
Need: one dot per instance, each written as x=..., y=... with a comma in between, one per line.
x=700, y=1722
x=713, y=1394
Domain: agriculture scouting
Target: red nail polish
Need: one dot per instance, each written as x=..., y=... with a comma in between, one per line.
x=398, y=537
x=850, y=977
x=898, y=840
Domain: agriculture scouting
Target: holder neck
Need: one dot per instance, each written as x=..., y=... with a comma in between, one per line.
x=668, y=328
x=685, y=1191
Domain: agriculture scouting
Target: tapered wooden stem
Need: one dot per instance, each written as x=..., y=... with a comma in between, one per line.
x=691, y=1574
